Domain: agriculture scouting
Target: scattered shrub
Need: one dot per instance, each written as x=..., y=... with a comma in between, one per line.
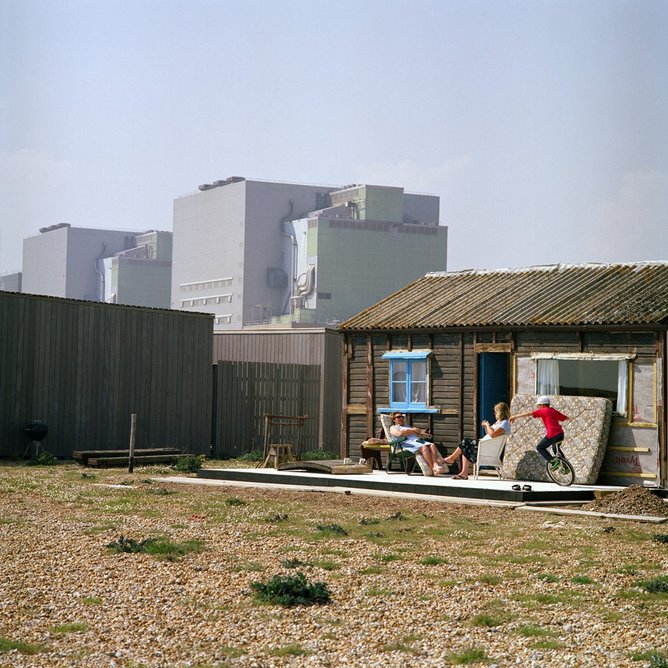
x=660, y=537
x=433, y=561
x=189, y=464
x=317, y=455
x=365, y=521
x=289, y=590
x=332, y=528
x=44, y=458
x=293, y=563
x=472, y=655
x=234, y=501
x=7, y=645
x=658, y=585
x=252, y=456
x=161, y=547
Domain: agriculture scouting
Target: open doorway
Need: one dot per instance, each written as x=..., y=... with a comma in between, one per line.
x=493, y=384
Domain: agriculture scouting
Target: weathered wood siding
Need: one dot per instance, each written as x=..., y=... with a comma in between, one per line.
x=321, y=348
x=635, y=451
x=246, y=391
x=84, y=367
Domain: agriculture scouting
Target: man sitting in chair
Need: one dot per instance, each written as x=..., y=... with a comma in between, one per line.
x=469, y=447
x=415, y=442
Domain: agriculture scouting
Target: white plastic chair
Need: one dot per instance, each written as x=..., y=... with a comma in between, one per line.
x=489, y=454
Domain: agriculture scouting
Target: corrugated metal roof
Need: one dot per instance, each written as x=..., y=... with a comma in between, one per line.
x=556, y=295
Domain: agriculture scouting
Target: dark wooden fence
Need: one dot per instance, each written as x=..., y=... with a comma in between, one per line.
x=84, y=367
x=245, y=391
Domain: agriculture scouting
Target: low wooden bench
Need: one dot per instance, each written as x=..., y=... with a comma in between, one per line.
x=95, y=462
x=83, y=456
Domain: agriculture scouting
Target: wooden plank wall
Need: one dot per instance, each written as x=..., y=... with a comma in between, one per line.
x=246, y=391
x=321, y=347
x=84, y=367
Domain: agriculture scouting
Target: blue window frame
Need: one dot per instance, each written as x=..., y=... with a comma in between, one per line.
x=409, y=379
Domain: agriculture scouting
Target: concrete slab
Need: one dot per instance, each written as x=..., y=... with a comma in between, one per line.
x=483, y=489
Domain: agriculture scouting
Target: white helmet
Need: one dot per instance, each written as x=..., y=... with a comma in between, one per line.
x=543, y=400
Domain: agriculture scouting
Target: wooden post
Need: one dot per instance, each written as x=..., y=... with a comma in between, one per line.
x=133, y=438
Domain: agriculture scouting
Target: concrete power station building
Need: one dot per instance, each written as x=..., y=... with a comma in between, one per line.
x=99, y=265
x=282, y=254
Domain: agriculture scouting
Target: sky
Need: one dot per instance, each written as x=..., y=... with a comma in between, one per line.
x=542, y=125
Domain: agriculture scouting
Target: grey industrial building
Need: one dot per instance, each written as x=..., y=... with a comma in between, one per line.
x=284, y=254
x=99, y=265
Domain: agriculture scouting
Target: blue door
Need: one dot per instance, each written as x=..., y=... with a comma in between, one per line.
x=493, y=384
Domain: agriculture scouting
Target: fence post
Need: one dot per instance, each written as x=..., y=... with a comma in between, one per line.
x=133, y=437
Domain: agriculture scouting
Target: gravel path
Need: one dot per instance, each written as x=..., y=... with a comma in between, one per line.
x=413, y=583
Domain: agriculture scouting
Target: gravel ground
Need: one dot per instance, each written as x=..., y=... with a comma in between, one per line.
x=412, y=583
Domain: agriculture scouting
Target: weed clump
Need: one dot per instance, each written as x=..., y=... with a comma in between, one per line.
x=317, y=455
x=189, y=464
x=332, y=528
x=160, y=547
x=660, y=537
x=251, y=456
x=291, y=590
x=44, y=458
x=658, y=585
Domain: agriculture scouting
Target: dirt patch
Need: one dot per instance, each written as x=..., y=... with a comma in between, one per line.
x=634, y=500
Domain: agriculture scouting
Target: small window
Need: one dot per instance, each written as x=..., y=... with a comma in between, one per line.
x=409, y=379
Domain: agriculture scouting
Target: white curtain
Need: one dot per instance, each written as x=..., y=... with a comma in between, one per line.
x=547, y=376
x=622, y=386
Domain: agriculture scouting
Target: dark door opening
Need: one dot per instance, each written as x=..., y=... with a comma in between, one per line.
x=493, y=384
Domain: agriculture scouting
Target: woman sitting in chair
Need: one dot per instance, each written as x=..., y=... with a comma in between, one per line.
x=415, y=442
x=469, y=447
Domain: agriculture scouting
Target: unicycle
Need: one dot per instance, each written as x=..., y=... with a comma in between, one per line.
x=559, y=469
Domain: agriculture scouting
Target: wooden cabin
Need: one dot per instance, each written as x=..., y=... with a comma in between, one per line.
x=448, y=346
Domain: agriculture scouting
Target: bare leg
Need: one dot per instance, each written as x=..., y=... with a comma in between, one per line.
x=453, y=457
x=432, y=463
x=465, y=468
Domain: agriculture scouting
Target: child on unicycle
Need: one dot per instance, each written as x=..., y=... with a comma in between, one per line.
x=551, y=418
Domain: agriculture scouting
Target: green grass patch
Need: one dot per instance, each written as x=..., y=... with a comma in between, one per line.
x=658, y=585
x=372, y=570
x=291, y=590
x=582, y=579
x=292, y=649
x=8, y=645
x=160, y=547
x=491, y=579
x=486, y=620
x=91, y=600
x=655, y=658
x=331, y=530
x=378, y=591
x=388, y=558
x=70, y=628
x=547, y=577
x=234, y=501
x=189, y=464
x=532, y=631
x=327, y=565
x=433, y=561
x=471, y=655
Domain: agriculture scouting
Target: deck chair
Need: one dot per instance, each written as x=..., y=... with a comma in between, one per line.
x=490, y=451
x=398, y=455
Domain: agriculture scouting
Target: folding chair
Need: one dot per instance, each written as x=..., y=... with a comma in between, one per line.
x=490, y=451
x=397, y=454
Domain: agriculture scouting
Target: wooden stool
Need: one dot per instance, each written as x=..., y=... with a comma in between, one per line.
x=278, y=453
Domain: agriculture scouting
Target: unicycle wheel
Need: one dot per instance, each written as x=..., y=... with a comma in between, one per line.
x=560, y=471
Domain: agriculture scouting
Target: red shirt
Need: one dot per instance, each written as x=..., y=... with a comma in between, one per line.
x=551, y=418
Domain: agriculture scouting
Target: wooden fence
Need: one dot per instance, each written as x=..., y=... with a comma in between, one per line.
x=84, y=367
x=245, y=391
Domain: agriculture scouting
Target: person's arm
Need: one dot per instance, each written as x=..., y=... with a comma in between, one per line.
x=512, y=418
x=491, y=432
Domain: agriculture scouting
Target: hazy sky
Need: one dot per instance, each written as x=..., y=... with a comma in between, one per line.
x=541, y=124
